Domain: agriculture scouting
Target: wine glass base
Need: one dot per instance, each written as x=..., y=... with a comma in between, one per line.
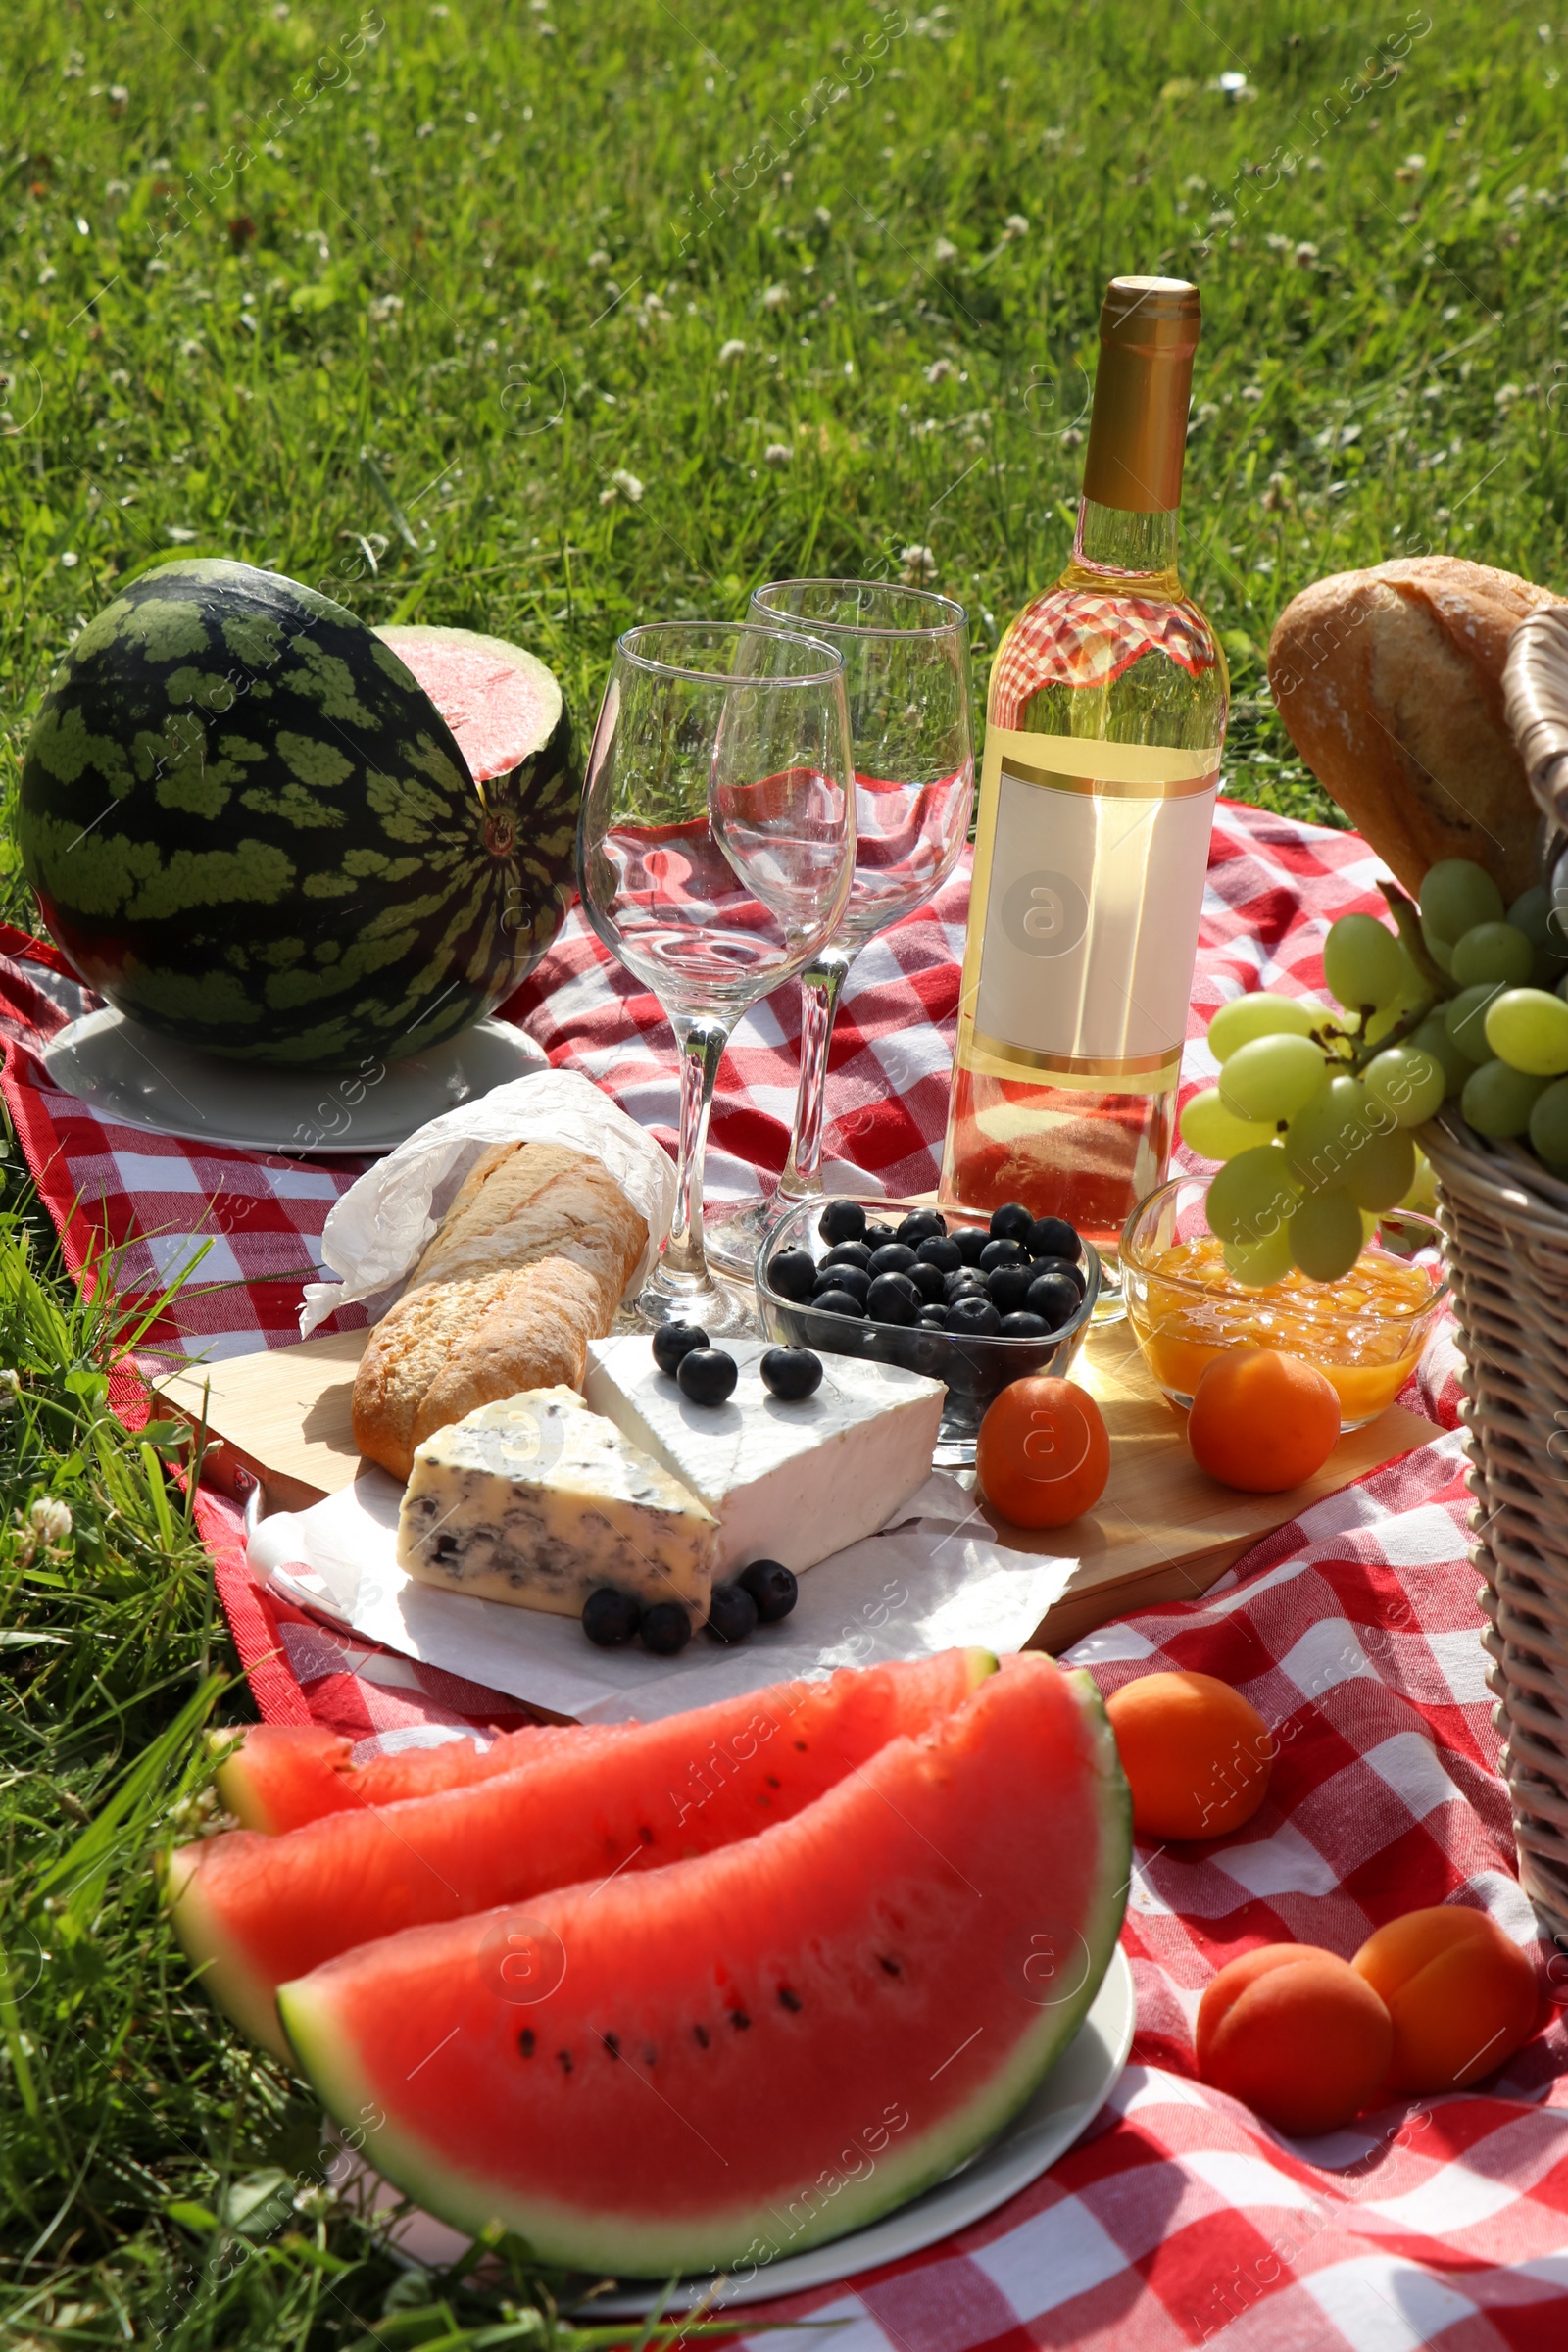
x=1111, y=1304
x=732, y=1238
x=717, y=1308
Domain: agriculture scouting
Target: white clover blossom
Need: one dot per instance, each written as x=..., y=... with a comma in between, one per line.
x=624, y=485
x=49, y=1522
x=919, y=563
x=944, y=250
x=778, y=453
x=938, y=370
x=730, y=352
x=774, y=297
x=10, y=1382
x=1306, y=254
x=385, y=306
x=1015, y=225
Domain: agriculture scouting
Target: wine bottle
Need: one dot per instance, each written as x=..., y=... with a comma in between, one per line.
x=1104, y=726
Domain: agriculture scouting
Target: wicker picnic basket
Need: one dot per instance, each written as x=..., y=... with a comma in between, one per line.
x=1506, y=1223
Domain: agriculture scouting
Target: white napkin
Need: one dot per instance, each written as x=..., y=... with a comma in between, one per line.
x=374, y=1235
x=936, y=1580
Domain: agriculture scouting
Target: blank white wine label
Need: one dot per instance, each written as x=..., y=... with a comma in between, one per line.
x=1089, y=884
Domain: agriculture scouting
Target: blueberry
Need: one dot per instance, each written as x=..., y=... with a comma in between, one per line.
x=772, y=1586
x=1002, y=1250
x=838, y=1302
x=1054, y=1298
x=706, y=1376
x=893, y=1299
x=732, y=1614
x=1024, y=1326
x=969, y=1241
x=665, y=1628
x=609, y=1618
x=932, y=1318
x=922, y=1225
x=854, y=1279
x=791, y=1372
x=877, y=1237
x=1007, y=1288
x=937, y=1249
x=973, y=1318
x=842, y=1221
x=672, y=1340
x=1011, y=1222
x=892, y=1258
x=1053, y=1237
x=1062, y=1265
x=793, y=1274
x=929, y=1281
x=968, y=1278
x=849, y=1253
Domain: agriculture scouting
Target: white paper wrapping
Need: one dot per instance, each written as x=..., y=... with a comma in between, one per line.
x=936, y=1580
x=372, y=1238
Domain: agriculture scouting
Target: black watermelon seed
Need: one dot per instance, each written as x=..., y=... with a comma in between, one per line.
x=645, y=1835
x=891, y=1965
x=739, y=2020
x=772, y=1784
x=700, y=2033
x=611, y=2043
x=650, y=2057
x=526, y=2041
x=801, y=1745
x=788, y=1999
x=565, y=2060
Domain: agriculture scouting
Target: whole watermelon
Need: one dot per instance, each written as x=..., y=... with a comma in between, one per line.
x=249, y=825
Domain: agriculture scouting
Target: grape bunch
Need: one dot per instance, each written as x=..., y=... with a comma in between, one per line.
x=1314, y=1105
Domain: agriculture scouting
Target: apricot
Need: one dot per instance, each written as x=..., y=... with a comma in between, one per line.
x=1296, y=2034
x=1196, y=1754
x=1462, y=1994
x=1262, y=1421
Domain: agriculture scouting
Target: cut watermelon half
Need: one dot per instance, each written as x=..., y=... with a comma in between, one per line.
x=744, y=2054
x=253, y=1911
x=500, y=703
x=277, y=1776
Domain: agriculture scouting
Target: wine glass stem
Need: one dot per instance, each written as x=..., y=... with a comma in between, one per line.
x=701, y=1045
x=821, y=984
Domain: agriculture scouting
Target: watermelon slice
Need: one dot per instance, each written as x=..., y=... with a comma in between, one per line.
x=745, y=2053
x=499, y=699
x=277, y=1776
x=255, y=1910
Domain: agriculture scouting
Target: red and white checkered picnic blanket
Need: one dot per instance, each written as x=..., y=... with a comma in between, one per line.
x=1179, y=2219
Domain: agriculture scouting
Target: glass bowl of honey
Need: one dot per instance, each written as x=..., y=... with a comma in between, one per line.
x=1366, y=1332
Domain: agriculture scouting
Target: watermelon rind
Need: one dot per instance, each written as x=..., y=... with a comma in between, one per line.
x=230, y=1981
x=331, y=2021
x=249, y=827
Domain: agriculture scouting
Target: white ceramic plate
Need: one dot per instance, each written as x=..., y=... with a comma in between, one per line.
x=1066, y=2103
x=128, y=1074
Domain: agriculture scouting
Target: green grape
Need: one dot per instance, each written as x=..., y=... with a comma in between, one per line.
x=1546, y=930
x=1422, y=1195
x=1261, y=1015
x=1433, y=1038
x=1209, y=1128
x=1325, y=1236
x=1456, y=895
x=1440, y=951
x=1493, y=952
x=1271, y=1078
x=1548, y=1127
x=1409, y=1081
x=1383, y=1172
x=1464, y=1016
x=1528, y=1029
x=1256, y=1265
x=1251, y=1196
x=1363, y=963
x=1325, y=1140
x=1498, y=1102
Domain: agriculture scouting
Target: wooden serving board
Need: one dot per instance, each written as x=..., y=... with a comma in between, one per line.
x=1162, y=1530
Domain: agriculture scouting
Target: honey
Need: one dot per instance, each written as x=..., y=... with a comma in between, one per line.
x=1366, y=1332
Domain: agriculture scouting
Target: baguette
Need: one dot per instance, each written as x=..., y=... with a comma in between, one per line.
x=1390, y=682
x=529, y=1264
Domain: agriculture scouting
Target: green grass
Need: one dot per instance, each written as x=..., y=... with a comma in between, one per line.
x=415, y=337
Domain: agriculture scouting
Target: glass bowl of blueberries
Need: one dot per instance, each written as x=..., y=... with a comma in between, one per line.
x=970, y=1302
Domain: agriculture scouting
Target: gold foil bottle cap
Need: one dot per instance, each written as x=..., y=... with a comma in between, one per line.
x=1149, y=329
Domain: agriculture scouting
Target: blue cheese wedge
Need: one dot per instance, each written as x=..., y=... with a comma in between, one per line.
x=793, y=1482
x=538, y=1501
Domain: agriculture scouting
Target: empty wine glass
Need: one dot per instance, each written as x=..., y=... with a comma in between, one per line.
x=906, y=677
x=715, y=850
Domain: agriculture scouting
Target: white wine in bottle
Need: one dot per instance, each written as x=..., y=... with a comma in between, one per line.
x=1103, y=727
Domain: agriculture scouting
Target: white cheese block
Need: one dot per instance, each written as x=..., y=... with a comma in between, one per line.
x=538, y=1501
x=792, y=1482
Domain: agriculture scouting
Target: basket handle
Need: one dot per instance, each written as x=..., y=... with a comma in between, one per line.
x=1535, y=689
